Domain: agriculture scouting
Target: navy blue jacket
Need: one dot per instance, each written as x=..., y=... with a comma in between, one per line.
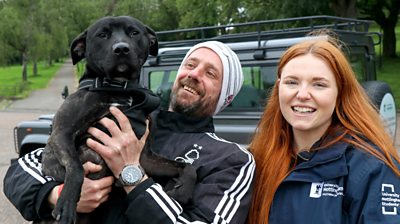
x=339, y=184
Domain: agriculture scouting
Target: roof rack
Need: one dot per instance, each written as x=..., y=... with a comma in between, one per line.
x=261, y=30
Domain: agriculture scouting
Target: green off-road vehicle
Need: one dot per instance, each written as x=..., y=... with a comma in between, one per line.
x=259, y=46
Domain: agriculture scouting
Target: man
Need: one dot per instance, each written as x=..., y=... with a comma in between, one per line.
x=208, y=79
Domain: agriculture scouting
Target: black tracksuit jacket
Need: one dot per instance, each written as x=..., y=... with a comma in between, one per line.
x=222, y=193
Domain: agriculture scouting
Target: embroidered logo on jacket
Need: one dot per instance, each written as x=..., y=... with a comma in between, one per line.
x=192, y=154
x=390, y=200
x=321, y=189
x=316, y=190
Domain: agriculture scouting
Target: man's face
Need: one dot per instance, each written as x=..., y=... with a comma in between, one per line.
x=198, y=85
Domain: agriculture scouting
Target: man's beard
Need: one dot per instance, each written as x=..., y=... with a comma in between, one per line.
x=197, y=108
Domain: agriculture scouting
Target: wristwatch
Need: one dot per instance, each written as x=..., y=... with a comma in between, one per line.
x=131, y=175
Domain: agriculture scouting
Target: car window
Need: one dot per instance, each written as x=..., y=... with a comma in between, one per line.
x=358, y=64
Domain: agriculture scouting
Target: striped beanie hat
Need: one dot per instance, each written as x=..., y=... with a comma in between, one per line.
x=232, y=79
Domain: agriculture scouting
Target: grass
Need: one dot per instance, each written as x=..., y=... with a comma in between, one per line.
x=390, y=74
x=390, y=70
x=11, y=84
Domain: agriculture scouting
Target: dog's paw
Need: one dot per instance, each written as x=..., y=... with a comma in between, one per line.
x=65, y=211
x=181, y=188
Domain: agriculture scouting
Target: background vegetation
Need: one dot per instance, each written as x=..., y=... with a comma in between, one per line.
x=33, y=31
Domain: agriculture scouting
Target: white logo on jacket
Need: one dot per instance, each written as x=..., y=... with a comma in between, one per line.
x=321, y=189
x=390, y=200
x=316, y=190
x=192, y=155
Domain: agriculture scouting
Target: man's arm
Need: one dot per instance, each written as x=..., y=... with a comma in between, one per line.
x=35, y=195
x=222, y=197
x=27, y=188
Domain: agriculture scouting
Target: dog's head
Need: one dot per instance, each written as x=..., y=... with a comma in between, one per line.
x=115, y=47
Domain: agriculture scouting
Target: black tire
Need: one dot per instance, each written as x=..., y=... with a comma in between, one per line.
x=382, y=97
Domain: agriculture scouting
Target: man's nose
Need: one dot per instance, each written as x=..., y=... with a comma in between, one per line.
x=196, y=73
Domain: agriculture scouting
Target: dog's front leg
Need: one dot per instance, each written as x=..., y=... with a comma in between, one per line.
x=65, y=153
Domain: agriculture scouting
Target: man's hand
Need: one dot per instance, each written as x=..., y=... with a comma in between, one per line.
x=93, y=192
x=123, y=147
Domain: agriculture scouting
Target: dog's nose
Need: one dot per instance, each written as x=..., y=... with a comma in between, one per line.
x=120, y=48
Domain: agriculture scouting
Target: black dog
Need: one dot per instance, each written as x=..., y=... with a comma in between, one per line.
x=115, y=49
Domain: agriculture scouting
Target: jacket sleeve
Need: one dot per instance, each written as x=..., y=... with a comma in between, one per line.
x=375, y=194
x=27, y=188
x=222, y=195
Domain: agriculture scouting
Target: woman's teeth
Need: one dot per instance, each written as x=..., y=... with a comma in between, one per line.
x=303, y=109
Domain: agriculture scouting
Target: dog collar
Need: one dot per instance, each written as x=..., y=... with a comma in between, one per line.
x=106, y=84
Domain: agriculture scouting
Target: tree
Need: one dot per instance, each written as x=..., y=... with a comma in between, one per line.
x=385, y=13
x=15, y=32
x=344, y=8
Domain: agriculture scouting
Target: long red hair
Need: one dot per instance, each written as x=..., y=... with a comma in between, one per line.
x=354, y=116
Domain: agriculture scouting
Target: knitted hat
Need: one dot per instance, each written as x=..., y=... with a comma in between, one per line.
x=232, y=79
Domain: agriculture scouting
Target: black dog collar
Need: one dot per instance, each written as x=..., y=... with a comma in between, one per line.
x=104, y=84
x=144, y=101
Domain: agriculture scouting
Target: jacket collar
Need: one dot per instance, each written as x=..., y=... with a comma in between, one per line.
x=183, y=124
x=323, y=164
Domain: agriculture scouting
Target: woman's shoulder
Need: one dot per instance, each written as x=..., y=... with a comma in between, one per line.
x=356, y=155
x=362, y=164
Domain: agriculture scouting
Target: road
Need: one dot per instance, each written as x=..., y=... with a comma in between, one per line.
x=40, y=102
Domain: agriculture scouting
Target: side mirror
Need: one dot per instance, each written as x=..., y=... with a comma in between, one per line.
x=65, y=93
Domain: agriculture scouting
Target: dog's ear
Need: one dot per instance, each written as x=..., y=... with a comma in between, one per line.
x=78, y=48
x=153, y=41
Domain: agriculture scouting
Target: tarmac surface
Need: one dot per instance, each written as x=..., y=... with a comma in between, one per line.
x=40, y=102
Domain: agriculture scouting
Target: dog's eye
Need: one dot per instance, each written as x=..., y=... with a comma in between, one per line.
x=133, y=33
x=102, y=35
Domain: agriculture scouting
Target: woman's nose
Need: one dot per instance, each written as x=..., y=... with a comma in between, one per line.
x=303, y=93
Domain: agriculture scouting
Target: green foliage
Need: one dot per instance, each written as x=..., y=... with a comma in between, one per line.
x=386, y=14
x=37, y=30
x=11, y=82
x=389, y=71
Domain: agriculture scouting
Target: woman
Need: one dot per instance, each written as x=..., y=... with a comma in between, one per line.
x=322, y=154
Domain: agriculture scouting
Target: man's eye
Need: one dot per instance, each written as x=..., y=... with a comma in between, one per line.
x=211, y=74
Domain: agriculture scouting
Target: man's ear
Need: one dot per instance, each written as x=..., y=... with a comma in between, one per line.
x=153, y=41
x=78, y=47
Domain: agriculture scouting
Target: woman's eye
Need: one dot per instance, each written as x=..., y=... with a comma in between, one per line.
x=320, y=84
x=290, y=82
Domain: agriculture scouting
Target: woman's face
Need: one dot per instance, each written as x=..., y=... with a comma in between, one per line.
x=307, y=95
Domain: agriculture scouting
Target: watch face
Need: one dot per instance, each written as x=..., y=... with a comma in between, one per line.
x=131, y=174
